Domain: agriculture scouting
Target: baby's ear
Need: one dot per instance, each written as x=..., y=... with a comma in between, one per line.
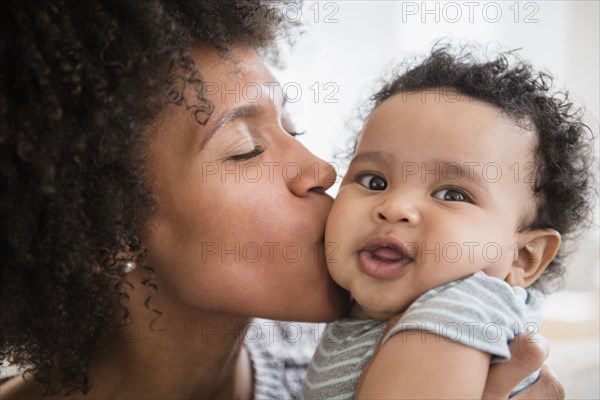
x=537, y=247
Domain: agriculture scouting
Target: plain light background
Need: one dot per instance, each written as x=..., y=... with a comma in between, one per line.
x=349, y=44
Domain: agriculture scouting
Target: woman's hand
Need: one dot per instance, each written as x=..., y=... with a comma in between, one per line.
x=527, y=355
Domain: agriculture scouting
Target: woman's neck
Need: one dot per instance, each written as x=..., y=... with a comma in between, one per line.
x=188, y=354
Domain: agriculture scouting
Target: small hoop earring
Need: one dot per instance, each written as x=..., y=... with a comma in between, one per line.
x=128, y=267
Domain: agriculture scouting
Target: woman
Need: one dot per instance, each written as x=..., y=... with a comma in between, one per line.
x=154, y=199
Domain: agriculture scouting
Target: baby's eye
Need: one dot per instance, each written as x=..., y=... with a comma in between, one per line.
x=450, y=195
x=372, y=182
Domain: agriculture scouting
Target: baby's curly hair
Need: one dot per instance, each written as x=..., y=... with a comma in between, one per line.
x=80, y=80
x=564, y=153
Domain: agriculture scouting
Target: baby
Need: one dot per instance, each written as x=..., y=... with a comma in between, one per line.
x=463, y=179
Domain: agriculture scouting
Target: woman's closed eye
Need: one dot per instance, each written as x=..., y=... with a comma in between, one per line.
x=451, y=194
x=372, y=181
x=258, y=149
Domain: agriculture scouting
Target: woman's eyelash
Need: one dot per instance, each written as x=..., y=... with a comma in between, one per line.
x=297, y=133
x=246, y=156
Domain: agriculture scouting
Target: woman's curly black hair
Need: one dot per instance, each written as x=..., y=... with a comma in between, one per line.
x=80, y=80
x=564, y=154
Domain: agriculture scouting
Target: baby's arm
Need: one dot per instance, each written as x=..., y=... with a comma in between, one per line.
x=419, y=364
x=441, y=346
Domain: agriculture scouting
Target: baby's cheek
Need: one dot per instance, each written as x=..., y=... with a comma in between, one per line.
x=500, y=258
x=334, y=232
x=341, y=273
x=336, y=250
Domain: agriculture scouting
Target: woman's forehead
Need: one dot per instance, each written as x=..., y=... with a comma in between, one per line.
x=237, y=63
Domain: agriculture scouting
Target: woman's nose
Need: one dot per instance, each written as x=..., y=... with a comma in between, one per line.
x=397, y=208
x=307, y=173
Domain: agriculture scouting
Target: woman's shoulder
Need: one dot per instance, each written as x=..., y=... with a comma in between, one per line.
x=15, y=387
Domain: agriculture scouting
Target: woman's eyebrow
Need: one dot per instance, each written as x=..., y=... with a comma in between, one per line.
x=229, y=116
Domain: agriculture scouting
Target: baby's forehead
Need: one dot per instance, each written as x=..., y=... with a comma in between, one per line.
x=441, y=138
x=450, y=101
x=462, y=127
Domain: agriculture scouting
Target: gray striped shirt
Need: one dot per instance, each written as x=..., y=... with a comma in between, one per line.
x=478, y=311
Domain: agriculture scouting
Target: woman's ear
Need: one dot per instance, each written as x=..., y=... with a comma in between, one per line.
x=536, y=247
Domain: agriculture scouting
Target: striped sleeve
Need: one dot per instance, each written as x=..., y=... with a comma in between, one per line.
x=346, y=348
x=479, y=311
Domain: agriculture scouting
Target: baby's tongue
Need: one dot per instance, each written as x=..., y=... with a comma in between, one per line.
x=387, y=254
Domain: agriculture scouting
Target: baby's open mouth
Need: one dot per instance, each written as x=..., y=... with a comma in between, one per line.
x=385, y=257
x=388, y=253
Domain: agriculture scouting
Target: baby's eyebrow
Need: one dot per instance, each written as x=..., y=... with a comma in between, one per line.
x=382, y=157
x=469, y=174
x=466, y=171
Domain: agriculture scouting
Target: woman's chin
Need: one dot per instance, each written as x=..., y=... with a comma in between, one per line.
x=335, y=304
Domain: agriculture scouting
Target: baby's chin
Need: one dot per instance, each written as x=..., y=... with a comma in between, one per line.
x=361, y=312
